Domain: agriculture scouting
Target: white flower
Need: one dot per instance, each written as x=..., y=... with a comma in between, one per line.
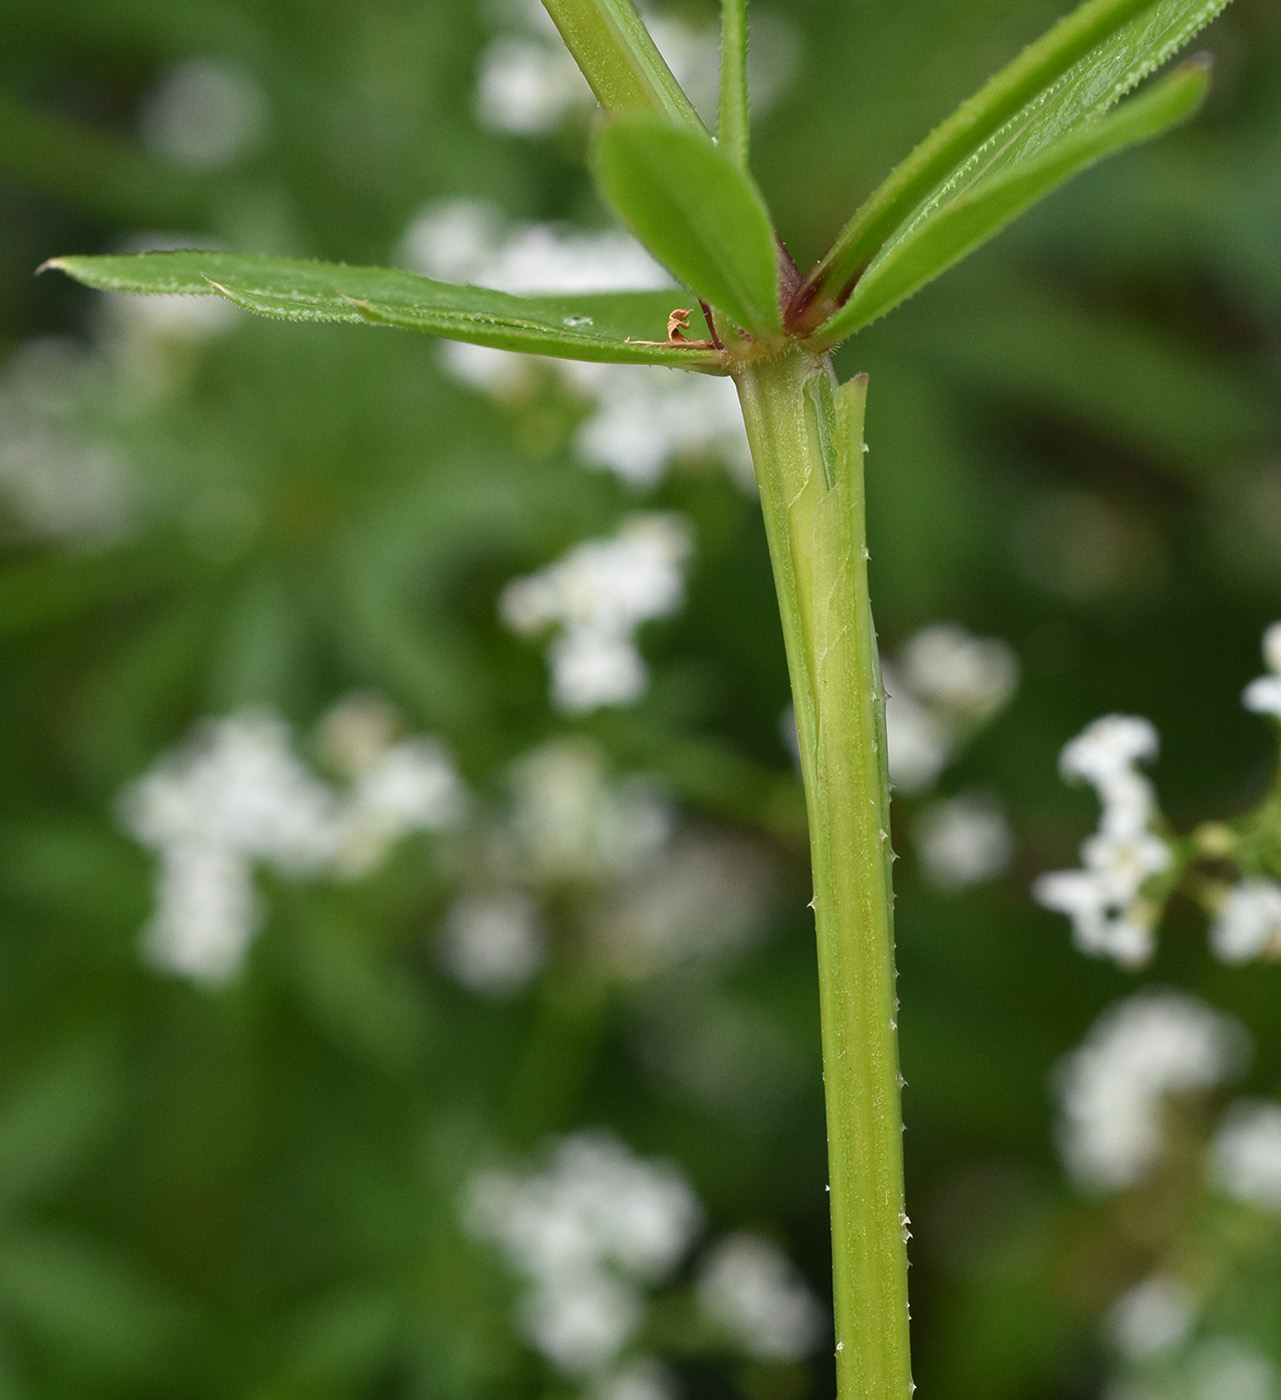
x=963, y=841
x=1122, y=863
x=941, y=685
x=462, y=240
x=526, y=87
x=1248, y=923
x=492, y=943
x=356, y=731
x=235, y=796
x=1108, y=748
x=644, y=421
x=237, y=785
x=1272, y=648
x=589, y=1233
x=1152, y=1317
x=1263, y=695
x=1102, y=899
x=948, y=668
x=612, y=585
x=569, y=821
x=206, y=913
x=641, y=1379
x=644, y=417
x=412, y=786
x=1226, y=1368
x=591, y=669
x=918, y=743
x=204, y=113
x=599, y=593
x=1098, y=928
x=706, y=898
x=581, y=1321
x=595, y=1203
x=1111, y=1088
x=59, y=484
x=1246, y=1154
x=755, y=1294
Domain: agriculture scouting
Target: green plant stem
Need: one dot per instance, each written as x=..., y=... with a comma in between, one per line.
x=732, y=117
x=615, y=53
x=806, y=436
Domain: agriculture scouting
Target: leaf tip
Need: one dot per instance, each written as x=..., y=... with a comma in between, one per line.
x=57, y=264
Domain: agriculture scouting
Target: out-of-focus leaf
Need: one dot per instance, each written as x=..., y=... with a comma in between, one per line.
x=959, y=224
x=95, y=170
x=338, y=1340
x=49, y=1121
x=697, y=212
x=73, y=1294
x=363, y=1005
x=1070, y=76
x=612, y=327
x=1110, y=372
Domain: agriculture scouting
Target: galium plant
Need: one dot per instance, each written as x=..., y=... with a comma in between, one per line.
x=752, y=315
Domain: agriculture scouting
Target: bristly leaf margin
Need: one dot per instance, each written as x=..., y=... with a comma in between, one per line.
x=614, y=327
x=961, y=224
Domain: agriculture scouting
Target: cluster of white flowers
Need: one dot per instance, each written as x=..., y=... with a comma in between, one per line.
x=590, y=1234
x=643, y=418
x=595, y=1231
x=942, y=684
x=570, y=822
x=1103, y=897
x=1113, y=1087
x=757, y=1297
x=597, y=596
x=1115, y=1093
x=566, y=822
x=657, y=893
x=528, y=84
x=236, y=797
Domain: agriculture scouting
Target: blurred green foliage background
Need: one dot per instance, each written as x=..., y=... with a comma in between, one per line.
x=253, y=1190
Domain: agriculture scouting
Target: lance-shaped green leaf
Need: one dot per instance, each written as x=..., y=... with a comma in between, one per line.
x=621, y=327
x=955, y=227
x=615, y=53
x=1069, y=76
x=697, y=212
